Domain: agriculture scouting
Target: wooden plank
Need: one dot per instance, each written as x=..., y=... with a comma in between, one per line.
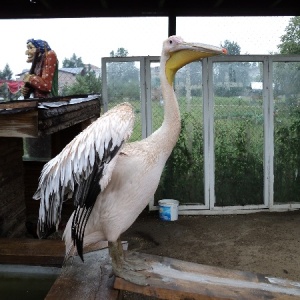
x=59, y=118
x=14, y=225
x=175, y=279
x=68, y=118
x=23, y=124
x=11, y=105
x=25, y=119
x=33, y=102
x=92, y=279
x=57, y=111
x=12, y=204
x=32, y=252
x=27, y=251
x=79, y=119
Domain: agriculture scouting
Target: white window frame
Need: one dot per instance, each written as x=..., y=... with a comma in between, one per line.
x=208, y=119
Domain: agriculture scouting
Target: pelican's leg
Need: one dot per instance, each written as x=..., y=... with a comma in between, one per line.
x=126, y=267
x=117, y=255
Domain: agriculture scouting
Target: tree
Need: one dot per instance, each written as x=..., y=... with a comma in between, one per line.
x=6, y=74
x=232, y=47
x=286, y=75
x=121, y=52
x=88, y=83
x=290, y=41
x=73, y=62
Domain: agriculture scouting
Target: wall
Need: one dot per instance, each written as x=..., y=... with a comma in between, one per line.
x=12, y=208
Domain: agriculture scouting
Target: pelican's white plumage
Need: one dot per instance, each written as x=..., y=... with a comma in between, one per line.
x=76, y=161
x=111, y=181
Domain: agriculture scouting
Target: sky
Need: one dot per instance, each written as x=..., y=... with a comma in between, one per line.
x=94, y=38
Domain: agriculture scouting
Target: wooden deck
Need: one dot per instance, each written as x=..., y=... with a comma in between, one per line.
x=166, y=278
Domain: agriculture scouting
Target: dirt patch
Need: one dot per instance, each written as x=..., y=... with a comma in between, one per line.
x=267, y=243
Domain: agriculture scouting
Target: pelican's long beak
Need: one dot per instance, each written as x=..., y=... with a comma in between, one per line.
x=185, y=53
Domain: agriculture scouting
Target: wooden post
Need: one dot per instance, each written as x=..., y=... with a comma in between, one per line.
x=91, y=279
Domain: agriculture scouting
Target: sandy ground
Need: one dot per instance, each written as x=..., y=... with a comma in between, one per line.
x=267, y=243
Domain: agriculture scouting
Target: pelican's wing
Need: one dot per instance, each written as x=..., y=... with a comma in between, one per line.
x=82, y=170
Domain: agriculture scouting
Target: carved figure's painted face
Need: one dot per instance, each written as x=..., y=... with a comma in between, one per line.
x=30, y=52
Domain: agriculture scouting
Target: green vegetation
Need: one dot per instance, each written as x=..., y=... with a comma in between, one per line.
x=182, y=178
x=238, y=142
x=5, y=94
x=89, y=83
x=239, y=152
x=287, y=156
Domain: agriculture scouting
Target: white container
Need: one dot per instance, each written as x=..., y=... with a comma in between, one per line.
x=168, y=209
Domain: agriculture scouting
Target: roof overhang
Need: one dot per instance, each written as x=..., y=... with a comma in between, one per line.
x=11, y=9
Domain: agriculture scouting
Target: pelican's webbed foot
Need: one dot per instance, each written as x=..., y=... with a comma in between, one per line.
x=127, y=266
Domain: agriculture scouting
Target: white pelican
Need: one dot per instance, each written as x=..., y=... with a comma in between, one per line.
x=112, y=181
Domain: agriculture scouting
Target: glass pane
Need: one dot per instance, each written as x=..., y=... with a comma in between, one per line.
x=183, y=175
x=238, y=128
x=286, y=80
x=157, y=102
x=123, y=85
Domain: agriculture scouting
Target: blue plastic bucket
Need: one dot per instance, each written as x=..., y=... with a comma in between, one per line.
x=168, y=209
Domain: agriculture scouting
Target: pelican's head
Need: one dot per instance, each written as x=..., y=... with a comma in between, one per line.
x=179, y=53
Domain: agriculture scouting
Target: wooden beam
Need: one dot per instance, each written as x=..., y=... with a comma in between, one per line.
x=32, y=252
x=11, y=106
x=91, y=279
x=58, y=118
x=43, y=252
x=51, y=125
x=23, y=124
x=175, y=279
x=26, y=119
x=172, y=24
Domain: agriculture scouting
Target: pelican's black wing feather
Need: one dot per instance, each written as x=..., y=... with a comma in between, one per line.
x=85, y=195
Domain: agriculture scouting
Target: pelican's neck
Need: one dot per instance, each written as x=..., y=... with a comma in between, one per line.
x=172, y=124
